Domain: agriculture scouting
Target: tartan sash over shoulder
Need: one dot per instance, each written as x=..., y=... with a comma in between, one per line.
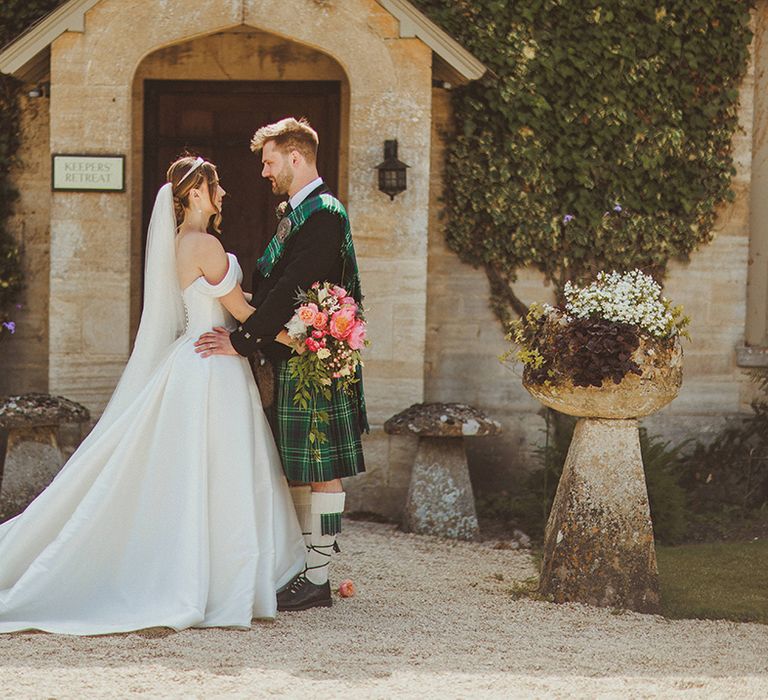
x=287, y=228
x=290, y=225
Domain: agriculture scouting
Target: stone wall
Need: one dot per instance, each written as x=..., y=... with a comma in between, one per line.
x=465, y=340
x=757, y=288
x=24, y=356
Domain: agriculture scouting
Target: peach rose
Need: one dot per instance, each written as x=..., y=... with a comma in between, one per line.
x=347, y=588
x=321, y=320
x=307, y=314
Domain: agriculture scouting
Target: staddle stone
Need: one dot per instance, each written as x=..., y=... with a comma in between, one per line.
x=30, y=455
x=440, y=498
x=598, y=544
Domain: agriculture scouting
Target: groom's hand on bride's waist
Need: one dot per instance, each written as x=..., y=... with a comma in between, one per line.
x=215, y=342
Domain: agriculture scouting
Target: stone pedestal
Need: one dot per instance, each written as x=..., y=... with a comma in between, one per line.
x=32, y=459
x=598, y=545
x=440, y=499
x=30, y=455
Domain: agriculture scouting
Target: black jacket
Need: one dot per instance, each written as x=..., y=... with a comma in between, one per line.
x=312, y=254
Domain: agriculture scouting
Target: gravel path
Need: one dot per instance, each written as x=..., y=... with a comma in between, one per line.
x=431, y=620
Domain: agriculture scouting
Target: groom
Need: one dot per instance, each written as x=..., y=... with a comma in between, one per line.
x=313, y=243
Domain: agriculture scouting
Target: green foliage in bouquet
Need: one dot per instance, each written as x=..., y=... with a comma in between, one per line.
x=590, y=105
x=15, y=17
x=310, y=376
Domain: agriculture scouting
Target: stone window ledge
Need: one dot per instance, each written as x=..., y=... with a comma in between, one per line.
x=752, y=356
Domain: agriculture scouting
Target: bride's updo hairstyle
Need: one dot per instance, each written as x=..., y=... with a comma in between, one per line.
x=184, y=182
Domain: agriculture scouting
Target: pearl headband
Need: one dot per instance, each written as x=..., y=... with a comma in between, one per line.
x=192, y=168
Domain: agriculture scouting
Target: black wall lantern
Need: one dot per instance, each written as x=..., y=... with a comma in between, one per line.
x=392, y=178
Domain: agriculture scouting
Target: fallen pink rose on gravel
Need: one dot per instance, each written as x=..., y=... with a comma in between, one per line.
x=347, y=588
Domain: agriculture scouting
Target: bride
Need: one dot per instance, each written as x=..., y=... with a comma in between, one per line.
x=174, y=511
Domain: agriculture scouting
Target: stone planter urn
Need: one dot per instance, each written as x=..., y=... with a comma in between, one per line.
x=598, y=543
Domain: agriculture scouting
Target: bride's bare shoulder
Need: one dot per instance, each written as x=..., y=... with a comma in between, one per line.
x=199, y=242
x=201, y=253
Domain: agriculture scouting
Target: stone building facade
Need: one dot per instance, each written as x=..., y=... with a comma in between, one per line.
x=434, y=336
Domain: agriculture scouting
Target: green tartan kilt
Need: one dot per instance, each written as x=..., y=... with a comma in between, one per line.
x=341, y=455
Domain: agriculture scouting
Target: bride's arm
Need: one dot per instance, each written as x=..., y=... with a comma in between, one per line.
x=214, y=267
x=214, y=264
x=236, y=304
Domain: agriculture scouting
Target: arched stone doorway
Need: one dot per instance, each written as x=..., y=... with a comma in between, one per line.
x=207, y=96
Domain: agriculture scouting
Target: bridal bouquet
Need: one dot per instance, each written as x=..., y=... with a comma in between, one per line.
x=330, y=325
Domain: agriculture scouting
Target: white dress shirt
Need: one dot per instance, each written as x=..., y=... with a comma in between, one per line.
x=302, y=194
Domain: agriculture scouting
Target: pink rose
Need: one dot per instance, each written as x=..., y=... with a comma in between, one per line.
x=342, y=322
x=307, y=314
x=316, y=285
x=317, y=334
x=312, y=345
x=348, y=301
x=356, y=337
x=321, y=320
x=339, y=292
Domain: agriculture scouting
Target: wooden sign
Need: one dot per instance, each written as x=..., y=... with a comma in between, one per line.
x=83, y=173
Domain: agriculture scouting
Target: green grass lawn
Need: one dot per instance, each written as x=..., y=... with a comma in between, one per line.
x=720, y=580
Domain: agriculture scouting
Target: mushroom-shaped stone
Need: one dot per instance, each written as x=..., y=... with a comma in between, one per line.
x=440, y=499
x=29, y=449
x=36, y=410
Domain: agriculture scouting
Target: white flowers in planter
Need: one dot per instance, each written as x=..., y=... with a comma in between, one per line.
x=628, y=297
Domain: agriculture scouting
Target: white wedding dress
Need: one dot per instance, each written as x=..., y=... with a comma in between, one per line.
x=173, y=512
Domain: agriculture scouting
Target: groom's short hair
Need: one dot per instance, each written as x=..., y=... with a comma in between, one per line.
x=288, y=135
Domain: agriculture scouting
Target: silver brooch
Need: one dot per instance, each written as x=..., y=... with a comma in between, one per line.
x=283, y=228
x=280, y=209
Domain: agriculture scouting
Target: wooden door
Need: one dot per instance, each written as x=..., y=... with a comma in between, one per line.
x=216, y=120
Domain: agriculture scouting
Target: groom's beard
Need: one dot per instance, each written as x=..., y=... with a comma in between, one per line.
x=282, y=182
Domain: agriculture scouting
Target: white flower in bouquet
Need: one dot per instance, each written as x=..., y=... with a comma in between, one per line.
x=296, y=327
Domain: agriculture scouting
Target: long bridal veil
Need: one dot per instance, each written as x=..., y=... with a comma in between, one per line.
x=162, y=319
